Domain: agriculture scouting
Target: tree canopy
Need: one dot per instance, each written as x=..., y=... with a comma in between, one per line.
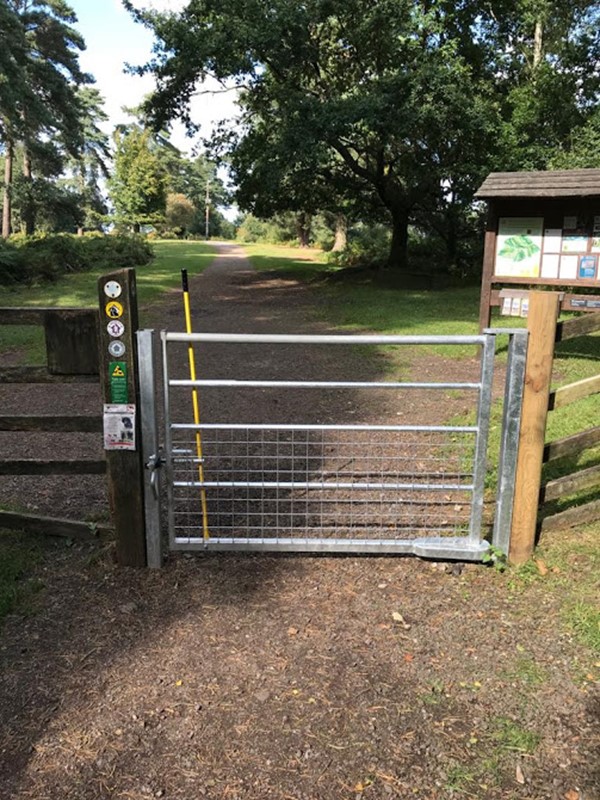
x=409, y=102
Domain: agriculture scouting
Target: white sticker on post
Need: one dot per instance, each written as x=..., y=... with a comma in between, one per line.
x=115, y=328
x=119, y=426
x=112, y=289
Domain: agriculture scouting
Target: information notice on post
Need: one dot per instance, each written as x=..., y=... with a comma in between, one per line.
x=119, y=426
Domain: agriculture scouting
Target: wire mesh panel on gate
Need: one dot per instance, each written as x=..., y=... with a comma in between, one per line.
x=358, y=482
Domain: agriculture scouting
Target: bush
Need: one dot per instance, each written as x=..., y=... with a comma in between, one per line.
x=368, y=245
x=11, y=265
x=42, y=258
x=280, y=229
x=252, y=230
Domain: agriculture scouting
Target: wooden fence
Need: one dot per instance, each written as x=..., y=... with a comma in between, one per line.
x=533, y=498
x=71, y=357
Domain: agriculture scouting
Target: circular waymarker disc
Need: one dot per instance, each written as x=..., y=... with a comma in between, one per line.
x=112, y=289
x=113, y=309
x=115, y=328
x=116, y=348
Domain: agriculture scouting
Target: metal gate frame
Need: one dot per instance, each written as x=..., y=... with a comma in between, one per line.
x=468, y=548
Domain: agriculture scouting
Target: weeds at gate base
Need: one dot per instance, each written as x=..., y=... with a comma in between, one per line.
x=461, y=780
x=496, y=558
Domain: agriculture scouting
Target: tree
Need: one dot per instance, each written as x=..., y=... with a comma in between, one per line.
x=417, y=99
x=582, y=151
x=180, y=212
x=138, y=186
x=90, y=164
x=379, y=84
x=198, y=180
x=13, y=89
x=545, y=56
x=37, y=104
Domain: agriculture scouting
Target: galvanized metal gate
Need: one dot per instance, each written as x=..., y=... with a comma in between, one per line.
x=339, y=485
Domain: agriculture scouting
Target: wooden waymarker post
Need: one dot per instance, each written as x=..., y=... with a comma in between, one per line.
x=120, y=393
x=541, y=323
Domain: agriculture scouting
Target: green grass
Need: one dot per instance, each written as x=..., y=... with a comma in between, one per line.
x=80, y=289
x=584, y=617
x=577, y=561
x=461, y=779
x=302, y=264
x=509, y=736
x=18, y=554
x=526, y=672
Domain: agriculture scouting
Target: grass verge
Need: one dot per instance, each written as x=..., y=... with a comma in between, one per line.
x=18, y=554
x=79, y=289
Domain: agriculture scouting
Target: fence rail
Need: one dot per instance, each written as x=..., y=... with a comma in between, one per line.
x=71, y=357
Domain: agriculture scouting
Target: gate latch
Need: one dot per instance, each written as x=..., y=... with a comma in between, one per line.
x=154, y=463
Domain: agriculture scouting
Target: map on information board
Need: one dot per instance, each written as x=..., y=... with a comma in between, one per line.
x=519, y=247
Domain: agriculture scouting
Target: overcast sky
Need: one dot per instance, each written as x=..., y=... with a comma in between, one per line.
x=112, y=39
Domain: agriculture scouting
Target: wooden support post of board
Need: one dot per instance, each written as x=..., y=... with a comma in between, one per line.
x=541, y=323
x=489, y=253
x=120, y=391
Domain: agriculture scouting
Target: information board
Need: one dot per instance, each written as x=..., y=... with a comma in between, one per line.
x=527, y=248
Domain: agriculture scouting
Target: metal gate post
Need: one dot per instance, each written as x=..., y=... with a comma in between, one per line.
x=150, y=447
x=483, y=427
x=509, y=446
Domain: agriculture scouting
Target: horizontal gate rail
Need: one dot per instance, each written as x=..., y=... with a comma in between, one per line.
x=234, y=426
x=291, y=338
x=427, y=547
x=408, y=487
x=232, y=384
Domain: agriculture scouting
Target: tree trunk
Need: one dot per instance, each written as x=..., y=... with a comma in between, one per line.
x=136, y=227
x=538, y=42
x=80, y=228
x=398, y=257
x=6, y=199
x=303, y=228
x=341, y=233
x=451, y=239
x=28, y=210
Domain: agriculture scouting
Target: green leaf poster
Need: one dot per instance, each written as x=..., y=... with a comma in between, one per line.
x=519, y=247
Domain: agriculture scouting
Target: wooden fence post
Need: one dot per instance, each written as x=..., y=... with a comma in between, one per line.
x=541, y=324
x=120, y=390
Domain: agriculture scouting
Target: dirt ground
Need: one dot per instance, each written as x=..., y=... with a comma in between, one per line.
x=283, y=677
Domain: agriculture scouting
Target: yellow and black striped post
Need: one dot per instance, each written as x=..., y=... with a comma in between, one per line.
x=195, y=401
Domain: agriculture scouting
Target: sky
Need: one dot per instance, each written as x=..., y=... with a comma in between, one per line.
x=112, y=39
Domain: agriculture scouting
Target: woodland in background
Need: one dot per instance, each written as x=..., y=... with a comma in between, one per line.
x=363, y=127
x=387, y=111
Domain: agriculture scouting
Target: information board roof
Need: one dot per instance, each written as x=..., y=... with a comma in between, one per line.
x=557, y=183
